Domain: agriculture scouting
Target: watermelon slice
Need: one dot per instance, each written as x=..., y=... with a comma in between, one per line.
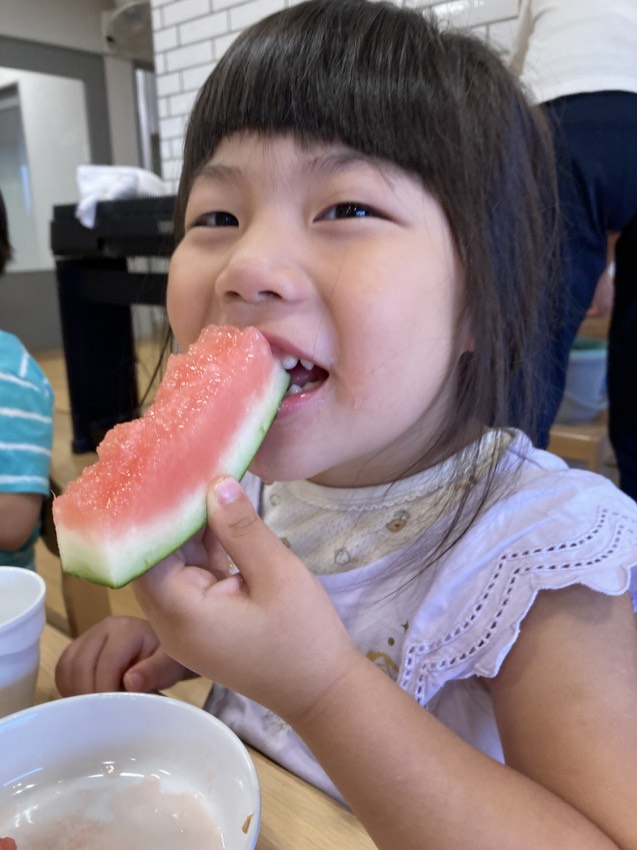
x=146, y=494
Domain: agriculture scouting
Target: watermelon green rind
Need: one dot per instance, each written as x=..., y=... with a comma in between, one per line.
x=98, y=546
x=123, y=567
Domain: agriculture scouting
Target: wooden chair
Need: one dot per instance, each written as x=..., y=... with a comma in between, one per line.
x=585, y=443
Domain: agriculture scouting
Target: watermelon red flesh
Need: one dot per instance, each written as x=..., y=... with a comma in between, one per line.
x=146, y=494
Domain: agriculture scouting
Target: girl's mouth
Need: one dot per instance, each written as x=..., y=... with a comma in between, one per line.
x=304, y=375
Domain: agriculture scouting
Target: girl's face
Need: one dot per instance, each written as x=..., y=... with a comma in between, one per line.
x=346, y=265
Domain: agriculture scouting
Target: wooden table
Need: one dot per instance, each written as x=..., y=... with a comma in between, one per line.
x=295, y=816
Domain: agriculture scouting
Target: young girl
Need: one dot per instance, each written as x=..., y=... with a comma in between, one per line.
x=431, y=618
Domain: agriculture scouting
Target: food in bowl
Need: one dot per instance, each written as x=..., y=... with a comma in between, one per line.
x=140, y=814
x=126, y=771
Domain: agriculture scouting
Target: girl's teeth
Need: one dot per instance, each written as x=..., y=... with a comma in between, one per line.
x=289, y=361
x=295, y=389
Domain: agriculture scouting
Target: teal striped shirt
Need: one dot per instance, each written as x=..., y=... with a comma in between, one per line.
x=26, y=432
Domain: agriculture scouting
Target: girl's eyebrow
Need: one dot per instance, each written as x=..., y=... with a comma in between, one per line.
x=327, y=164
x=218, y=173
x=322, y=165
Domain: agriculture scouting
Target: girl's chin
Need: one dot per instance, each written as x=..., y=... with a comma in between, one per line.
x=269, y=472
x=271, y=465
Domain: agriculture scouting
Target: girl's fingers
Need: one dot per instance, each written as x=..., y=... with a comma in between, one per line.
x=154, y=673
x=176, y=589
x=235, y=536
x=243, y=535
x=171, y=585
x=219, y=563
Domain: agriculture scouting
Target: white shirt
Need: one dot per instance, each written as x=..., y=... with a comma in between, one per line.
x=566, y=47
x=435, y=631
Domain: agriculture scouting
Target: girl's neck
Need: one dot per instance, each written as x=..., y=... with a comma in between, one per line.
x=379, y=472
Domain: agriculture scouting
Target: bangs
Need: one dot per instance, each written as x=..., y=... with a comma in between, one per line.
x=337, y=70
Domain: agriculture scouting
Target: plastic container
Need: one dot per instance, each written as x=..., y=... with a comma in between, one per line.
x=22, y=619
x=585, y=394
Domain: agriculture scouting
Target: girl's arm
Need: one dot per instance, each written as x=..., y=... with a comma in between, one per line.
x=566, y=704
x=273, y=635
x=19, y=514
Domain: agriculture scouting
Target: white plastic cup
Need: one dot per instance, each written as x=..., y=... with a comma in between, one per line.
x=22, y=618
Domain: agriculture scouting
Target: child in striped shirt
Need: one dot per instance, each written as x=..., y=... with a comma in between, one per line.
x=26, y=435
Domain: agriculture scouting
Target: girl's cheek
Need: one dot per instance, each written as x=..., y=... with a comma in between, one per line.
x=174, y=312
x=185, y=304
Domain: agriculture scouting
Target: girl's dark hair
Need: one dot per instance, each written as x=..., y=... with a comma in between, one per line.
x=6, y=252
x=439, y=104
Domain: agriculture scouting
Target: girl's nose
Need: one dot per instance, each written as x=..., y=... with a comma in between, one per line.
x=262, y=267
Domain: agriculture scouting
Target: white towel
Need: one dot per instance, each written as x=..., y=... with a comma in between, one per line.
x=111, y=182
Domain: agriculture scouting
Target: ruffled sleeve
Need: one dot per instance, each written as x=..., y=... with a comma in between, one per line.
x=562, y=527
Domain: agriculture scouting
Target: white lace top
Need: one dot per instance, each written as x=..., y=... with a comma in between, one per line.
x=435, y=631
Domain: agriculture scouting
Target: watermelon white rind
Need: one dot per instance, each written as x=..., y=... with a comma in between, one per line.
x=134, y=506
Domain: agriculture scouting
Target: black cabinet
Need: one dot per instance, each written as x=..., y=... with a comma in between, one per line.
x=97, y=286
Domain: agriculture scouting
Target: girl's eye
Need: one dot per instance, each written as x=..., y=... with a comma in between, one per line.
x=348, y=209
x=215, y=219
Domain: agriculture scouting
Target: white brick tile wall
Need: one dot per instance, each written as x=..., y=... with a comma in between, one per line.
x=165, y=39
x=185, y=10
x=191, y=35
x=210, y=26
x=224, y=42
x=171, y=128
x=176, y=148
x=194, y=78
x=244, y=14
x=181, y=104
x=471, y=13
x=171, y=169
x=188, y=57
x=225, y=4
x=168, y=84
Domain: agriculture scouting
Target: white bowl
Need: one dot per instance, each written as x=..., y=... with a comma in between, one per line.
x=130, y=762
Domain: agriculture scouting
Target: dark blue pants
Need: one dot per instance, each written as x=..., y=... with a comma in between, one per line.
x=596, y=148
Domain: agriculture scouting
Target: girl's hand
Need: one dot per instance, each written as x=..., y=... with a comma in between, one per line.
x=269, y=632
x=119, y=653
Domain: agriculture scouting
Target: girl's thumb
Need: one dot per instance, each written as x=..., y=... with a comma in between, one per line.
x=240, y=531
x=154, y=673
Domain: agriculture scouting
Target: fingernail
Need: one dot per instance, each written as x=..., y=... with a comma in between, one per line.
x=226, y=490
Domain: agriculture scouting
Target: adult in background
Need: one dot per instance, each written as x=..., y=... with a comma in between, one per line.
x=578, y=59
x=26, y=435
